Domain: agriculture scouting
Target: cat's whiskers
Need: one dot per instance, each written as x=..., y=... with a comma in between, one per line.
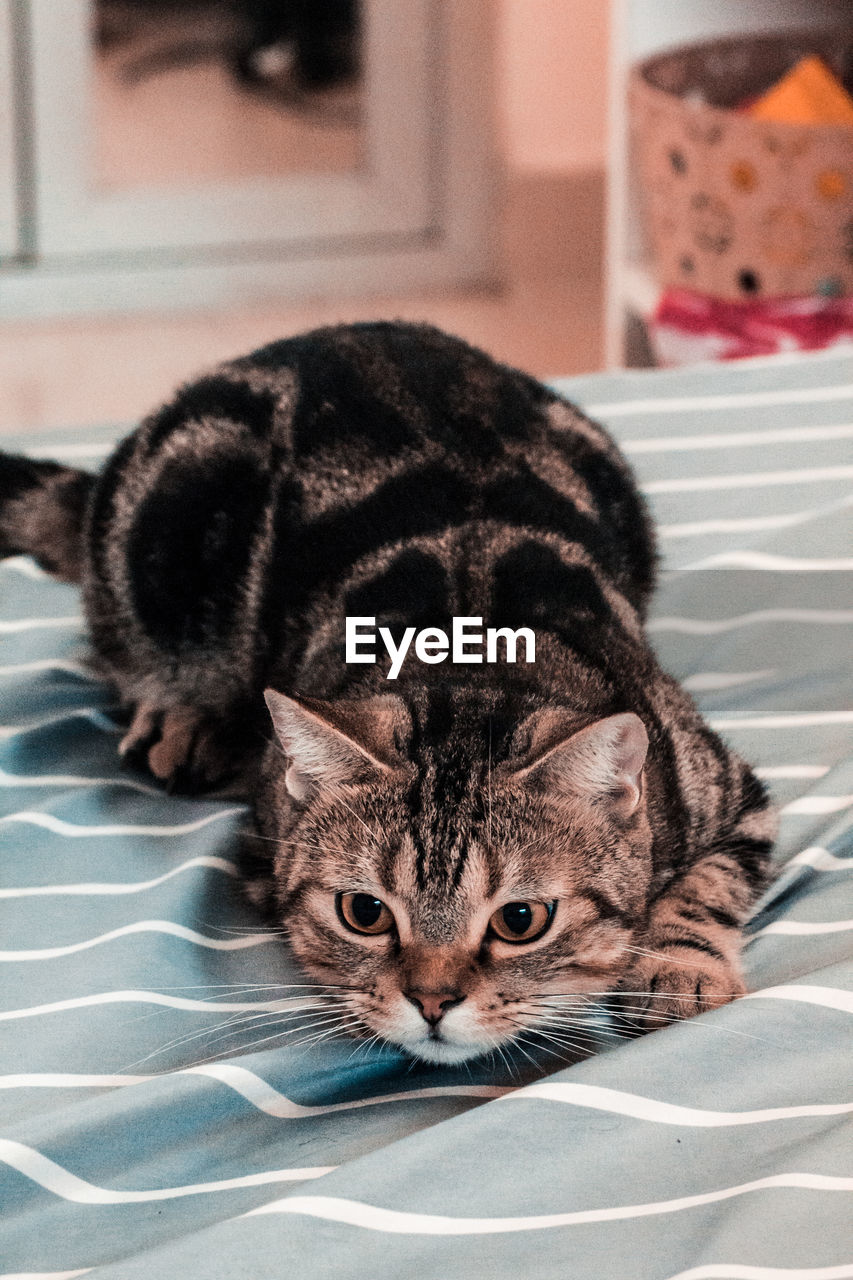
x=517, y=1044
x=367, y=1044
x=550, y=1036
x=576, y=1020
x=564, y=1045
x=501, y=1049
x=231, y=1023
x=314, y=990
x=373, y=1038
x=577, y=1027
x=661, y=1019
x=559, y=1054
x=252, y=1045
x=298, y=1006
x=269, y=1019
x=313, y=994
x=328, y=1033
x=307, y=1005
x=328, y=1029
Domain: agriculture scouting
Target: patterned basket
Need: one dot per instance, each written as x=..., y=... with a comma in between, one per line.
x=738, y=207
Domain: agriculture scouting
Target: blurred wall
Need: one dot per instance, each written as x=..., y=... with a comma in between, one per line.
x=553, y=83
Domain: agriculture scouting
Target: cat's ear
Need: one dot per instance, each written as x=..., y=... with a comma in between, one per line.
x=602, y=763
x=334, y=744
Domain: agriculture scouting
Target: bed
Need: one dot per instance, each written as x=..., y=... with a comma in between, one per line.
x=146, y=1132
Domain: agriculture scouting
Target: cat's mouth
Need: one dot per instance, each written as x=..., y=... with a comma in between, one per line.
x=439, y=1046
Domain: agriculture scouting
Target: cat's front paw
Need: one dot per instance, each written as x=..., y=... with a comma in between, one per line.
x=181, y=748
x=675, y=984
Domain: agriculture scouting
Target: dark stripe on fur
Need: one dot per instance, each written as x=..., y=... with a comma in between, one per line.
x=608, y=909
x=189, y=548
x=692, y=943
x=753, y=858
x=212, y=398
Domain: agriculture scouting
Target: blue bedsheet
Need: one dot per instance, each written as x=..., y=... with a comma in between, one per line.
x=159, y=1121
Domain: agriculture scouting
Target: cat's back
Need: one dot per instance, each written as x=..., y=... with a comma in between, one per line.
x=397, y=431
x=269, y=479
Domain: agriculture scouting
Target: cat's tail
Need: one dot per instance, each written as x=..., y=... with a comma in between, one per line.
x=42, y=513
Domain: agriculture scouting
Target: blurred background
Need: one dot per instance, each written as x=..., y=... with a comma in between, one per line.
x=184, y=180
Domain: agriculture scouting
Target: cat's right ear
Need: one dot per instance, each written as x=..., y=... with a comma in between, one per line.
x=329, y=745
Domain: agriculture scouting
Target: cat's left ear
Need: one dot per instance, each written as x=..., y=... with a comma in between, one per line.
x=334, y=744
x=602, y=763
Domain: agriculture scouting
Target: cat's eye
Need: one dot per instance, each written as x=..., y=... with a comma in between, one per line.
x=363, y=913
x=521, y=921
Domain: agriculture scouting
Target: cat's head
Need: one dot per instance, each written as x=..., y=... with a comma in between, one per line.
x=449, y=875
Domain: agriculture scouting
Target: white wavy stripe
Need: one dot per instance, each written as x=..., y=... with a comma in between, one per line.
x=731, y=400
x=73, y=780
x=59, y=827
x=25, y=566
x=752, y=524
x=738, y=1271
x=251, y=1087
x=137, y=886
x=71, y=1080
x=266, y=1098
x=716, y=626
x=39, y=624
x=143, y=926
x=150, y=997
x=55, y=1178
x=818, y=804
x=49, y=664
x=45, y=1275
x=819, y=859
x=764, y=560
x=792, y=771
x=356, y=1213
x=801, y=928
x=827, y=997
x=737, y=439
x=707, y=681
x=640, y=1108
x=748, y=480
x=269, y=1100
x=92, y=714
x=795, y=721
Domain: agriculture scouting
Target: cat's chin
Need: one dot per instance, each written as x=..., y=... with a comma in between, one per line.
x=445, y=1052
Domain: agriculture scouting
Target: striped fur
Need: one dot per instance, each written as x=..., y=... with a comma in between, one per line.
x=391, y=471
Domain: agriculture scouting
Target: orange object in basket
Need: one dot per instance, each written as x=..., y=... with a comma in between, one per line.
x=808, y=94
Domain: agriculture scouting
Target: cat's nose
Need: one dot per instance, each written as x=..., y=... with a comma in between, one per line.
x=433, y=1005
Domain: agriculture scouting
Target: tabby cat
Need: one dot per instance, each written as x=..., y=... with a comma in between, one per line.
x=470, y=851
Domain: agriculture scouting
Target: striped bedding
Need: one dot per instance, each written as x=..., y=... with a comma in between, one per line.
x=155, y=1121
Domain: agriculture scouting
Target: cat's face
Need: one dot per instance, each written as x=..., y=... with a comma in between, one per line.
x=448, y=904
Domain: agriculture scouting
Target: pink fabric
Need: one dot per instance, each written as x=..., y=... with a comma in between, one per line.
x=687, y=327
